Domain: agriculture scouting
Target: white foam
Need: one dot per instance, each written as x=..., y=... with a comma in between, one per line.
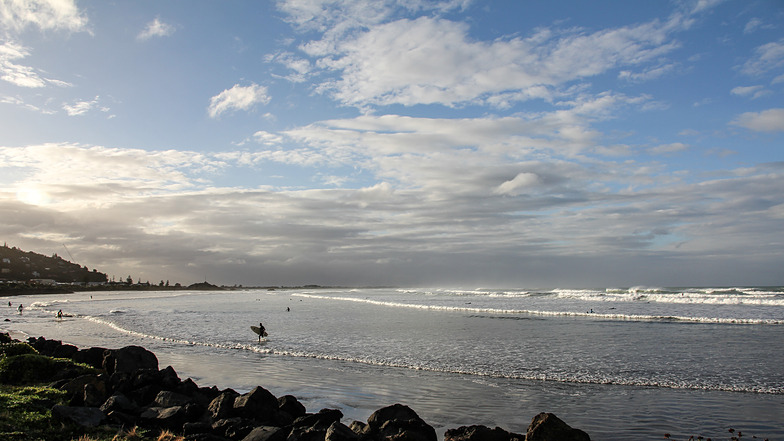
x=593, y=315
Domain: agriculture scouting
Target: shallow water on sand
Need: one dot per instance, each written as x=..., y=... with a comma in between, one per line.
x=461, y=358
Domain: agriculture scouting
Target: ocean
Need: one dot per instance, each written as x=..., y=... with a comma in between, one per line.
x=625, y=363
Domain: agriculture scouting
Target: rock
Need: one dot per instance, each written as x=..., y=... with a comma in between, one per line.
x=340, y=432
x=222, y=406
x=266, y=433
x=548, y=427
x=258, y=404
x=291, y=405
x=44, y=346
x=167, y=398
x=168, y=378
x=94, y=395
x=400, y=422
x=360, y=428
x=171, y=418
x=189, y=388
x=91, y=357
x=76, y=390
x=321, y=420
x=223, y=426
x=119, y=402
x=65, y=351
x=313, y=427
x=83, y=416
x=121, y=419
x=481, y=433
x=129, y=359
x=192, y=428
x=205, y=437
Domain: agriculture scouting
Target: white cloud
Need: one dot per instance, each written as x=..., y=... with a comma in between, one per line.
x=664, y=149
x=518, y=184
x=44, y=14
x=81, y=107
x=766, y=58
x=771, y=120
x=19, y=75
x=157, y=211
x=237, y=98
x=156, y=28
x=299, y=67
x=752, y=92
x=429, y=60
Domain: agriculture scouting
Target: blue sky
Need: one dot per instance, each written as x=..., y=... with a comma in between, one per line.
x=471, y=143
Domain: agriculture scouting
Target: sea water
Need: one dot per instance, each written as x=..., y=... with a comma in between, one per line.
x=627, y=363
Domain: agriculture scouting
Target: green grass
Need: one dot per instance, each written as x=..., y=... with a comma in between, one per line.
x=25, y=415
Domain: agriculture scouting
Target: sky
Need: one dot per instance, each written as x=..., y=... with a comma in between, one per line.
x=407, y=143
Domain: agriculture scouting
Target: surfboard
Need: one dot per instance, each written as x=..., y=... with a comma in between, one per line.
x=257, y=330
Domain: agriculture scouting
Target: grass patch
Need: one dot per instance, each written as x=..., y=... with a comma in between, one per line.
x=32, y=368
x=25, y=415
x=13, y=349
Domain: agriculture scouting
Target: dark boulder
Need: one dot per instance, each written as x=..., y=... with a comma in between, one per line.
x=313, y=427
x=258, y=404
x=321, y=420
x=83, y=416
x=120, y=418
x=168, y=378
x=94, y=394
x=76, y=389
x=360, y=428
x=92, y=357
x=226, y=426
x=192, y=428
x=481, y=433
x=400, y=422
x=266, y=433
x=65, y=351
x=129, y=359
x=119, y=402
x=205, y=437
x=44, y=346
x=548, y=427
x=167, y=398
x=340, y=432
x=222, y=406
x=171, y=418
x=291, y=405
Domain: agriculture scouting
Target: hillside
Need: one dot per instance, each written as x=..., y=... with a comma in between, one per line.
x=18, y=265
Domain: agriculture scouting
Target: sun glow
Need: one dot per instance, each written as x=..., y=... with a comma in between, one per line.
x=32, y=196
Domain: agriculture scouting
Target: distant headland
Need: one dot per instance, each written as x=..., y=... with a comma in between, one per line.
x=27, y=272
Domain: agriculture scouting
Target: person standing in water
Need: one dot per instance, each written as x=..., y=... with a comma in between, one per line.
x=20, y=308
x=261, y=331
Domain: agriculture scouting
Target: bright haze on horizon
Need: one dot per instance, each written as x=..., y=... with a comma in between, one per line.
x=462, y=143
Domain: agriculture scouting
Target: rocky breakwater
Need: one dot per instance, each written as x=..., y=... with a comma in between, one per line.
x=127, y=389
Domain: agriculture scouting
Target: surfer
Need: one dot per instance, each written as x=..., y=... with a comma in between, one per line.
x=60, y=314
x=261, y=330
x=20, y=308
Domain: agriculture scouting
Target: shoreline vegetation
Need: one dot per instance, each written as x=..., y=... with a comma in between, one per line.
x=55, y=391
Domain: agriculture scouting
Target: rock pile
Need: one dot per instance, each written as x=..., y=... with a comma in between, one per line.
x=129, y=390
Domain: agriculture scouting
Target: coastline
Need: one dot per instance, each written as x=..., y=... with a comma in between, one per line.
x=127, y=389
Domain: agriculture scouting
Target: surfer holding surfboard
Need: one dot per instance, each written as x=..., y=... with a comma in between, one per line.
x=259, y=330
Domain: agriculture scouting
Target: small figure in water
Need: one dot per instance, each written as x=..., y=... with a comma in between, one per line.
x=20, y=308
x=9, y=304
x=60, y=314
x=288, y=309
x=261, y=331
